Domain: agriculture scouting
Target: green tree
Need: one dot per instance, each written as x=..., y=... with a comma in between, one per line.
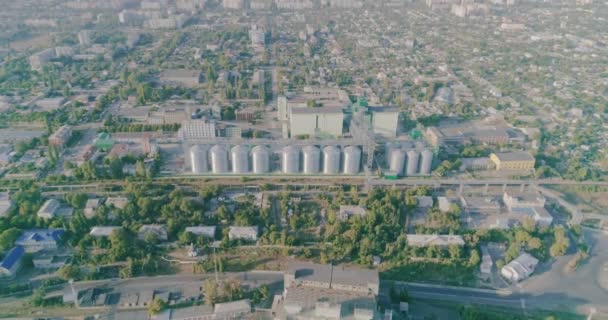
x=8, y=237
x=156, y=306
x=210, y=290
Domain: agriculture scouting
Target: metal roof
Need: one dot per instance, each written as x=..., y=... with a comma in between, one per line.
x=12, y=257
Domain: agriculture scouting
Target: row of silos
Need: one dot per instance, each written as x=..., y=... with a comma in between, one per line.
x=312, y=156
x=239, y=160
x=411, y=162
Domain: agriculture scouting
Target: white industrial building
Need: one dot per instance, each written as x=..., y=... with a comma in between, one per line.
x=197, y=129
x=384, y=121
x=316, y=121
x=520, y=268
x=314, y=111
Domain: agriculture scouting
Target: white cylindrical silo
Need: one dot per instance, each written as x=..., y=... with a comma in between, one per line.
x=198, y=159
x=412, y=162
x=426, y=162
x=219, y=159
x=260, y=157
x=331, y=160
x=240, y=159
x=290, y=160
x=388, y=150
x=352, y=160
x=397, y=161
x=312, y=160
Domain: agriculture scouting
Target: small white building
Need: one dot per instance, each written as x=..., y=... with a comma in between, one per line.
x=205, y=231
x=49, y=209
x=91, y=207
x=520, y=268
x=444, y=204
x=243, y=233
x=102, y=231
x=349, y=211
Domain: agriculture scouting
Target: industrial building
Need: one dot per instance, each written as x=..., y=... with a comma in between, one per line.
x=197, y=129
x=315, y=291
x=518, y=161
x=384, y=121
x=314, y=111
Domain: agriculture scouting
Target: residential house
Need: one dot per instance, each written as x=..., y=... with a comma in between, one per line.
x=35, y=240
x=11, y=262
x=205, y=231
x=349, y=211
x=49, y=209
x=520, y=268
x=102, y=231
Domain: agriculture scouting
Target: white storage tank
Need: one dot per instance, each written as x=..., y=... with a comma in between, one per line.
x=352, y=160
x=290, y=160
x=412, y=162
x=261, y=159
x=219, y=159
x=240, y=159
x=397, y=161
x=198, y=159
x=312, y=160
x=331, y=160
x=426, y=162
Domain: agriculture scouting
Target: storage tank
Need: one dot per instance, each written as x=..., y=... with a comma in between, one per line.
x=331, y=160
x=198, y=159
x=397, y=161
x=412, y=162
x=260, y=157
x=240, y=159
x=290, y=160
x=219, y=159
x=312, y=159
x=352, y=160
x=426, y=162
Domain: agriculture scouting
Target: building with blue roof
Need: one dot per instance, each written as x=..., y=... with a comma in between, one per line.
x=11, y=262
x=35, y=240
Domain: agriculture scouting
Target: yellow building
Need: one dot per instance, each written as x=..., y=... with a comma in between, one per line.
x=519, y=160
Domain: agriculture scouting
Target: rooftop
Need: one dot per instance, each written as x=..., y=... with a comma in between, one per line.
x=514, y=156
x=12, y=257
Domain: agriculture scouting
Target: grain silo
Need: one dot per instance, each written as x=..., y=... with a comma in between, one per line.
x=260, y=157
x=312, y=159
x=397, y=161
x=412, y=162
x=219, y=159
x=426, y=162
x=352, y=160
x=240, y=159
x=331, y=160
x=290, y=160
x=198, y=159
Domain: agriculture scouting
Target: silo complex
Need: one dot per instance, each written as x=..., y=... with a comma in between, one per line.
x=397, y=161
x=240, y=159
x=260, y=159
x=412, y=162
x=290, y=160
x=312, y=159
x=331, y=160
x=198, y=159
x=352, y=160
x=219, y=159
x=426, y=162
